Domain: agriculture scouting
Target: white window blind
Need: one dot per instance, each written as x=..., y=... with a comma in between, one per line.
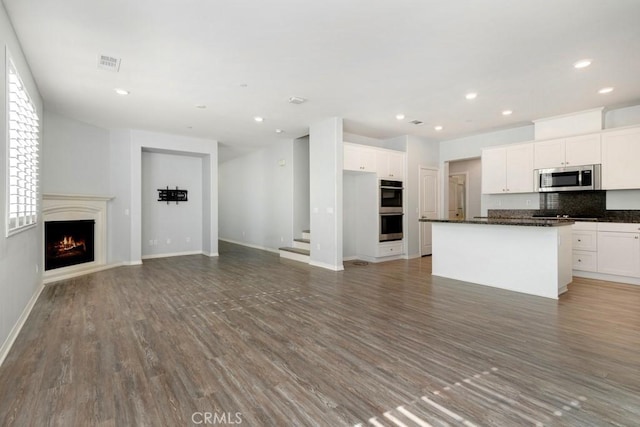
x=23, y=146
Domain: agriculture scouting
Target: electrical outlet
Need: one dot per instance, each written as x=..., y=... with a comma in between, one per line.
x=528, y=202
x=318, y=246
x=188, y=239
x=37, y=268
x=168, y=241
x=150, y=242
x=281, y=239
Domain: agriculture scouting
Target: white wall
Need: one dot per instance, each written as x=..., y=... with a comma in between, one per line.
x=21, y=254
x=119, y=209
x=325, y=182
x=207, y=150
x=75, y=157
x=171, y=228
x=256, y=198
x=301, y=211
x=349, y=216
x=473, y=188
x=421, y=152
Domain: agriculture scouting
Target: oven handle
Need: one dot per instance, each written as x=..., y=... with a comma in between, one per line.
x=391, y=213
x=384, y=187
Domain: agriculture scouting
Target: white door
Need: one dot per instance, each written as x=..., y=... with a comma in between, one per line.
x=428, y=206
x=457, y=197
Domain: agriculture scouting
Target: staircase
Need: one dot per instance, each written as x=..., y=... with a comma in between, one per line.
x=301, y=249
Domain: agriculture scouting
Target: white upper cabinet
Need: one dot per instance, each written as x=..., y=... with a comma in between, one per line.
x=385, y=163
x=621, y=159
x=572, y=151
x=390, y=164
x=508, y=169
x=359, y=158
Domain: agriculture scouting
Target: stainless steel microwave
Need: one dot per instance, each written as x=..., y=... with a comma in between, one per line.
x=573, y=178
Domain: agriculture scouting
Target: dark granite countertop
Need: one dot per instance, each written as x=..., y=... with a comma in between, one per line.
x=527, y=222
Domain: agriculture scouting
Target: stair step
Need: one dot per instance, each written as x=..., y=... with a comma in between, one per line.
x=296, y=251
x=295, y=254
x=302, y=244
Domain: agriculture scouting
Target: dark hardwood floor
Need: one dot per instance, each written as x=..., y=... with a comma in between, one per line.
x=249, y=339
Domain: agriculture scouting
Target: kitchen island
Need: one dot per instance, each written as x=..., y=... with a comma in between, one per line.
x=532, y=256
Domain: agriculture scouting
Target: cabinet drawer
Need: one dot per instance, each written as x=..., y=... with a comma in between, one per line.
x=585, y=240
x=582, y=226
x=389, y=249
x=619, y=227
x=585, y=261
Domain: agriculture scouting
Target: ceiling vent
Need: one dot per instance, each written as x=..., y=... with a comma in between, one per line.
x=416, y=122
x=109, y=63
x=296, y=100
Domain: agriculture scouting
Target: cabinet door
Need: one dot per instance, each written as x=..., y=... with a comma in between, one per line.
x=396, y=165
x=582, y=150
x=351, y=159
x=494, y=170
x=359, y=158
x=549, y=154
x=619, y=253
x=621, y=159
x=519, y=167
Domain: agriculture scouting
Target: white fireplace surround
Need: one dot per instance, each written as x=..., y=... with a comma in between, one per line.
x=68, y=207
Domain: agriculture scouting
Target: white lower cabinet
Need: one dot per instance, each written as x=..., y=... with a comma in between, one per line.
x=585, y=246
x=390, y=248
x=585, y=261
x=607, y=248
x=619, y=249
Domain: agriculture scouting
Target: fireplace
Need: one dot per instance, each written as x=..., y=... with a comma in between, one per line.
x=68, y=243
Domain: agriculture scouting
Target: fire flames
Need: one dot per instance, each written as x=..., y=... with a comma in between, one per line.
x=68, y=243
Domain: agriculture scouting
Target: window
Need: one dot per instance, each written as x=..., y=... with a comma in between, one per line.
x=23, y=132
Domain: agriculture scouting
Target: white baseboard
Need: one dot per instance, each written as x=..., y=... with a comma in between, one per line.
x=327, y=266
x=210, y=254
x=77, y=273
x=607, y=277
x=8, y=343
x=249, y=245
x=350, y=258
x=172, y=254
x=130, y=263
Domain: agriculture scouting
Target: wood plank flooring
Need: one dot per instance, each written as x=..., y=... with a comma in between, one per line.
x=250, y=339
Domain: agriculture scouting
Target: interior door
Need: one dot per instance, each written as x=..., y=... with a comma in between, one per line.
x=428, y=206
x=457, y=197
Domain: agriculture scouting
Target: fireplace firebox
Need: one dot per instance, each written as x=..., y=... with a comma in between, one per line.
x=68, y=243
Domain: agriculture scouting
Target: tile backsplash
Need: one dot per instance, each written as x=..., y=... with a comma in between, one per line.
x=584, y=204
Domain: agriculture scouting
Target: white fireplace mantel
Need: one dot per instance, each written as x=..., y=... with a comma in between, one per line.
x=61, y=207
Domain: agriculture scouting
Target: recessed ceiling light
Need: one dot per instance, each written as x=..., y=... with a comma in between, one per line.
x=471, y=95
x=258, y=119
x=583, y=63
x=507, y=112
x=279, y=131
x=400, y=116
x=605, y=90
x=243, y=85
x=122, y=91
x=201, y=106
x=438, y=128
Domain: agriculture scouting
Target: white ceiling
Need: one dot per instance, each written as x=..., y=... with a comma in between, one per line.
x=362, y=60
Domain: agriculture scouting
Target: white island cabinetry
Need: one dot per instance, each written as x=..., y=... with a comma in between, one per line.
x=520, y=255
